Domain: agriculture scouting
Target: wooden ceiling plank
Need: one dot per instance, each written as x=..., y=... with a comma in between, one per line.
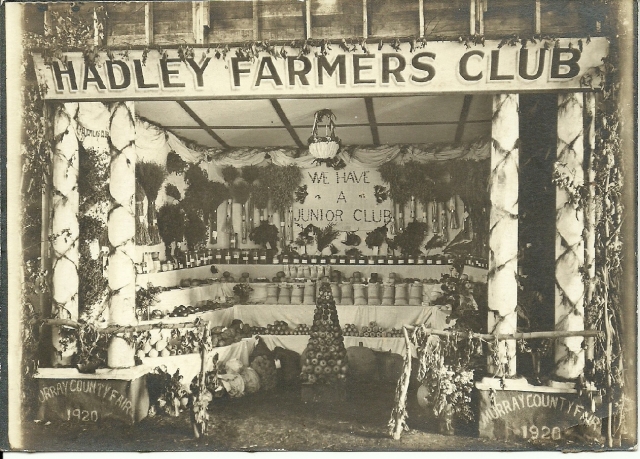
x=371, y=114
x=464, y=114
x=202, y=124
x=286, y=123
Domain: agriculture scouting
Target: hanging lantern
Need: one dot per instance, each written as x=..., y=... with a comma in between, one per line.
x=324, y=147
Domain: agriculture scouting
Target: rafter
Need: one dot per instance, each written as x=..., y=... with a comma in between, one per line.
x=286, y=123
x=202, y=124
x=464, y=114
x=371, y=115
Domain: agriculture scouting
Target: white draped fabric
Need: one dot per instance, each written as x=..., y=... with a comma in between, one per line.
x=154, y=143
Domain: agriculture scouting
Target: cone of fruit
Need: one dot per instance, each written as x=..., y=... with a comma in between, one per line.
x=326, y=360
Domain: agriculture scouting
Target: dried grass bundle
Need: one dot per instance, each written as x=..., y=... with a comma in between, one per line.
x=151, y=176
x=230, y=173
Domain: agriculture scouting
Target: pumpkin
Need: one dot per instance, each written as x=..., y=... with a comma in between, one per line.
x=251, y=380
x=363, y=365
x=233, y=384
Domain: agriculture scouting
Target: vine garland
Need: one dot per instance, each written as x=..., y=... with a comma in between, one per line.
x=603, y=311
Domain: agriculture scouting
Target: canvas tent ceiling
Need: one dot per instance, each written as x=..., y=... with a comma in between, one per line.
x=451, y=118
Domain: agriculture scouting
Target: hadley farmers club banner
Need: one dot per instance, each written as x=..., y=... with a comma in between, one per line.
x=437, y=67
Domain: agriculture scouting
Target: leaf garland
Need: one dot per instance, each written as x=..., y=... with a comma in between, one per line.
x=92, y=285
x=93, y=179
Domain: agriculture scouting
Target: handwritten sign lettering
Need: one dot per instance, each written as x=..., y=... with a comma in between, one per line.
x=345, y=198
x=533, y=415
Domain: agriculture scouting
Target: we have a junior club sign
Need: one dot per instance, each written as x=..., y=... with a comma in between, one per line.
x=344, y=197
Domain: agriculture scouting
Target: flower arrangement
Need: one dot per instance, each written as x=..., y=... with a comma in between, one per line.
x=242, y=291
x=447, y=390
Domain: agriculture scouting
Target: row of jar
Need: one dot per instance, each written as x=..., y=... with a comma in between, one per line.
x=376, y=294
x=255, y=256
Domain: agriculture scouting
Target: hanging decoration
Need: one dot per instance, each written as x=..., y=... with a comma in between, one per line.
x=171, y=226
x=142, y=231
x=325, y=147
x=172, y=191
x=175, y=163
x=151, y=176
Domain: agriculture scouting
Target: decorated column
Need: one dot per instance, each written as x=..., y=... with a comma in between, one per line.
x=121, y=230
x=569, y=179
x=591, y=214
x=503, y=236
x=64, y=229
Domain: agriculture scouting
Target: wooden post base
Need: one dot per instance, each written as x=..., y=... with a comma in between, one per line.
x=67, y=395
x=535, y=413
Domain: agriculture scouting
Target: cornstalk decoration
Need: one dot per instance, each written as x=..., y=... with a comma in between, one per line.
x=503, y=235
x=65, y=230
x=121, y=230
x=398, y=421
x=570, y=289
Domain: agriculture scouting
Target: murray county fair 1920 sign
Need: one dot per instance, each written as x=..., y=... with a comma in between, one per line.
x=435, y=68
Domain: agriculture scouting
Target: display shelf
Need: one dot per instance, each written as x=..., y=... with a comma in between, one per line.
x=173, y=278
x=295, y=314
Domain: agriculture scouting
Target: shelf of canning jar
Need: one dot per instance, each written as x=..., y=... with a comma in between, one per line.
x=267, y=272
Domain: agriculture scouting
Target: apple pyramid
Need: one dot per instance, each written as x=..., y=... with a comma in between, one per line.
x=326, y=360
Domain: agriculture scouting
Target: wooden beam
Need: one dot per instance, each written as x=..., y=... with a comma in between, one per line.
x=421, y=13
x=256, y=20
x=202, y=124
x=371, y=115
x=307, y=18
x=348, y=125
x=365, y=19
x=286, y=123
x=464, y=114
x=472, y=17
x=148, y=23
x=537, y=24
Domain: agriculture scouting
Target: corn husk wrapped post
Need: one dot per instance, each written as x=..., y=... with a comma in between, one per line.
x=570, y=289
x=218, y=194
x=503, y=238
x=240, y=192
x=121, y=231
x=251, y=174
x=64, y=228
x=151, y=176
